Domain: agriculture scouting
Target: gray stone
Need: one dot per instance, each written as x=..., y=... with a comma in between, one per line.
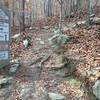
x=60, y=62
x=26, y=43
x=96, y=89
x=42, y=42
x=62, y=72
x=96, y=20
x=31, y=28
x=14, y=68
x=5, y=80
x=56, y=96
x=59, y=66
x=81, y=22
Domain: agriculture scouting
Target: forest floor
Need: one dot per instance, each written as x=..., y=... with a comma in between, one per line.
x=33, y=82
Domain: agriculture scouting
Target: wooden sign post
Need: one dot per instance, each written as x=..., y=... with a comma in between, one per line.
x=4, y=36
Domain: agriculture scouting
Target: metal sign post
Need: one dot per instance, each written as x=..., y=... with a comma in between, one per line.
x=4, y=36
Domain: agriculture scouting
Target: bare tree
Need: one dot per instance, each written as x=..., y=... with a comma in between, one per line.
x=90, y=12
x=23, y=16
x=13, y=17
x=48, y=7
x=61, y=14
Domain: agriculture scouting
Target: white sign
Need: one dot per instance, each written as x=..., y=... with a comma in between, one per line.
x=4, y=37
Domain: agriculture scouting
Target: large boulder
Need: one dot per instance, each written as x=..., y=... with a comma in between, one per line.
x=5, y=81
x=92, y=83
x=13, y=69
x=96, y=89
x=60, y=62
x=96, y=20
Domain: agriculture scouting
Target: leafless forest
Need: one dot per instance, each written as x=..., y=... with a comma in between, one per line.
x=53, y=50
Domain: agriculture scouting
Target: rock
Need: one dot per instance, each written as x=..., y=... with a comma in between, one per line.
x=81, y=22
x=60, y=59
x=60, y=62
x=56, y=96
x=62, y=72
x=96, y=89
x=59, y=66
x=96, y=20
x=42, y=42
x=4, y=81
x=31, y=28
x=25, y=43
x=67, y=68
x=14, y=68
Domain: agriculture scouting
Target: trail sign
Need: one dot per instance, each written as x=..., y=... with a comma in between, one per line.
x=4, y=36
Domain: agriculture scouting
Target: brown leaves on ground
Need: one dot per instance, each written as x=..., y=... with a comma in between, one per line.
x=84, y=47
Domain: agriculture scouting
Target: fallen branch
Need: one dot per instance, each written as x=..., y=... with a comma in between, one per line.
x=37, y=60
x=42, y=63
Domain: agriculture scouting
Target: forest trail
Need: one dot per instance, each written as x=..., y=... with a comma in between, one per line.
x=44, y=79
x=36, y=76
x=53, y=51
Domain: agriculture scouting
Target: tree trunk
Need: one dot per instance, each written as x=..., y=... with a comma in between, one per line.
x=60, y=21
x=23, y=16
x=13, y=18
x=48, y=8
x=89, y=12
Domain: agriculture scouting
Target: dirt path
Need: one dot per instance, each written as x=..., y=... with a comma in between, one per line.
x=44, y=80
x=33, y=81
